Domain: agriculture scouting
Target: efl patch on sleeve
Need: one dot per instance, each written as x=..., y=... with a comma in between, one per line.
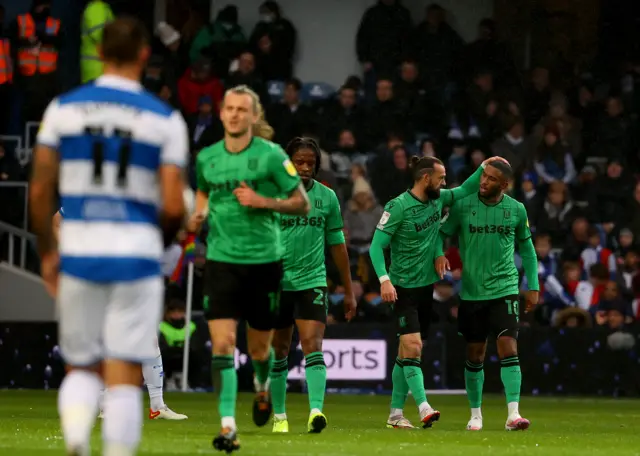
x=288, y=166
x=383, y=220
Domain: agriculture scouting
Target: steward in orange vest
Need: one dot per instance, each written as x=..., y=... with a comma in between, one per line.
x=37, y=54
x=6, y=68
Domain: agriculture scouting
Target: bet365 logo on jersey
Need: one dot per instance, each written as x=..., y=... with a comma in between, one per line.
x=231, y=185
x=490, y=229
x=291, y=222
x=427, y=223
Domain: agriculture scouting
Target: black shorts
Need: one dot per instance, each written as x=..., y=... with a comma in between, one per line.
x=478, y=319
x=413, y=310
x=247, y=292
x=311, y=304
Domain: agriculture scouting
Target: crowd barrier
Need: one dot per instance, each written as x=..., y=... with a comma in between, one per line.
x=361, y=357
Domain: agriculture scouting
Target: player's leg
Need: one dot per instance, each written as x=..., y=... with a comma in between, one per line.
x=153, y=376
x=408, y=321
x=399, y=395
x=81, y=308
x=131, y=325
x=222, y=302
x=262, y=316
x=505, y=316
x=279, y=372
x=310, y=312
x=474, y=326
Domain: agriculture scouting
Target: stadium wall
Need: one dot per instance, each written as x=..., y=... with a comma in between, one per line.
x=360, y=358
x=327, y=29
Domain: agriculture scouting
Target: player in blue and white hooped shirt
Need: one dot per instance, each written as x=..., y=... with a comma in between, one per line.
x=152, y=372
x=116, y=155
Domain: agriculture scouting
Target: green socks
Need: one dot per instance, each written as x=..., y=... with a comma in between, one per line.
x=414, y=378
x=474, y=381
x=278, y=385
x=316, y=373
x=511, y=378
x=400, y=386
x=262, y=368
x=225, y=383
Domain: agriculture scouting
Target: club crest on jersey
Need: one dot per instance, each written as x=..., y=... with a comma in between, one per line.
x=252, y=164
x=383, y=220
x=318, y=204
x=507, y=214
x=288, y=166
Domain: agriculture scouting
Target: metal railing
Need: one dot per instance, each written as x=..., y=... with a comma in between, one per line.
x=24, y=237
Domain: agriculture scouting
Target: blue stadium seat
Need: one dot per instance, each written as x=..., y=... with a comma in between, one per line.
x=317, y=91
x=276, y=90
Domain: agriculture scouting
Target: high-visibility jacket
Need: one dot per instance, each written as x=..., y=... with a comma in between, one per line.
x=6, y=69
x=96, y=15
x=36, y=59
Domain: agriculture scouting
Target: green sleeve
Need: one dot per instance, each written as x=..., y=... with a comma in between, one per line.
x=386, y=228
x=334, y=225
x=471, y=185
x=201, y=41
x=96, y=16
x=282, y=171
x=202, y=183
x=450, y=223
x=527, y=250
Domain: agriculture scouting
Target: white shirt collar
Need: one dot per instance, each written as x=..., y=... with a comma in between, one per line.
x=118, y=82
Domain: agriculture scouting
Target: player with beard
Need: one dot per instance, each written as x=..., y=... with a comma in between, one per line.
x=304, y=298
x=409, y=226
x=488, y=225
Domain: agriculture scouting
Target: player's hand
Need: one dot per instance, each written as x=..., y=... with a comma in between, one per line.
x=195, y=222
x=388, y=292
x=530, y=300
x=249, y=198
x=442, y=266
x=350, y=306
x=49, y=268
x=490, y=159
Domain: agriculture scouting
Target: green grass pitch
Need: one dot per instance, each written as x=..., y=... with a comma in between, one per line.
x=29, y=426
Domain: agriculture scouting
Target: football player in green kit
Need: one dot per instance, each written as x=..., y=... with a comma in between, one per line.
x=410, y=225
x=304, y=299
x=489, y=224
x=244, y=181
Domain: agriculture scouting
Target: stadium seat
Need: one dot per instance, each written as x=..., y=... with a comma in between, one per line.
x=276, y=90
x=316, y=91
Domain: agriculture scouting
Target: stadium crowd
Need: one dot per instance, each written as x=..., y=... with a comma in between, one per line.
x=571, y=136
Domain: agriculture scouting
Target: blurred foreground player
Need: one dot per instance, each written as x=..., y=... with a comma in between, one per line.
x=116, y=155
x=152, y=372
x=488, y=225
x=243, y=181
x=304, y=298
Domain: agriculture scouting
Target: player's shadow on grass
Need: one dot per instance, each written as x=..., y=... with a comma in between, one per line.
x=277, y=435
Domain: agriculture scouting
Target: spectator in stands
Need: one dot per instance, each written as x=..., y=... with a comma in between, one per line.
x=613, y=134
x=537, y=97
x=169, y=45
x=587, y=292
x=38, y=80
x=457, y=160
x=514, y=146
x=409, y=90
x=586, y=110
x=633, y=212
x=476, y=154
x=569, y=128
x=222, y=41
x=383, y=115
x=611, y=309
x=583, y=187
x=478, y=102
x=205, y=128
x=362, y=212
x=291, y=117
x=597, y=253
x=342, y=113
x=198, y=82
x=436, y=46
x=246, y=75
x=274, y=42
x=610, y=197
x=389, y=183
x=96, y=15
x=428, y=147
x=381, y=40
x=553, y=161
x=629, y=270
x=557, y=214
x=530, y=197
x=158, y=82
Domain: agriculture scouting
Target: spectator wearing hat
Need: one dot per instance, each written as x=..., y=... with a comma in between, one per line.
x=362, y=212
x=273, y=41
x=197, y=82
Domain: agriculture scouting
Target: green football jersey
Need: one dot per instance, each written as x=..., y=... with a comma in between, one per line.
x=239, y=234
x=487, y=235
x=304, y=238
x=415, y=243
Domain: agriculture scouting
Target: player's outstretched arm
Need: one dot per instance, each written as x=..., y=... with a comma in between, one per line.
x=468, y=187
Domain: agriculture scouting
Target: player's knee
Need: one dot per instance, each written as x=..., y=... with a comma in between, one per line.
x=476, y=352
x=411, y=347
x=507, y=345
x=281, y=347
x=311, y=344
x=259, y=349
x=223, y=343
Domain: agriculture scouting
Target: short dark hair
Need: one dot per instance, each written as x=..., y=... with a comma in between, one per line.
x=503, y=167
x=295, y=83
x=419, y=166
x=599, y=271
x=123, y=39
x=305, y=142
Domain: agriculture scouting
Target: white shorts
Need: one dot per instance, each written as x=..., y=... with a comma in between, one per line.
x=109, y=321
